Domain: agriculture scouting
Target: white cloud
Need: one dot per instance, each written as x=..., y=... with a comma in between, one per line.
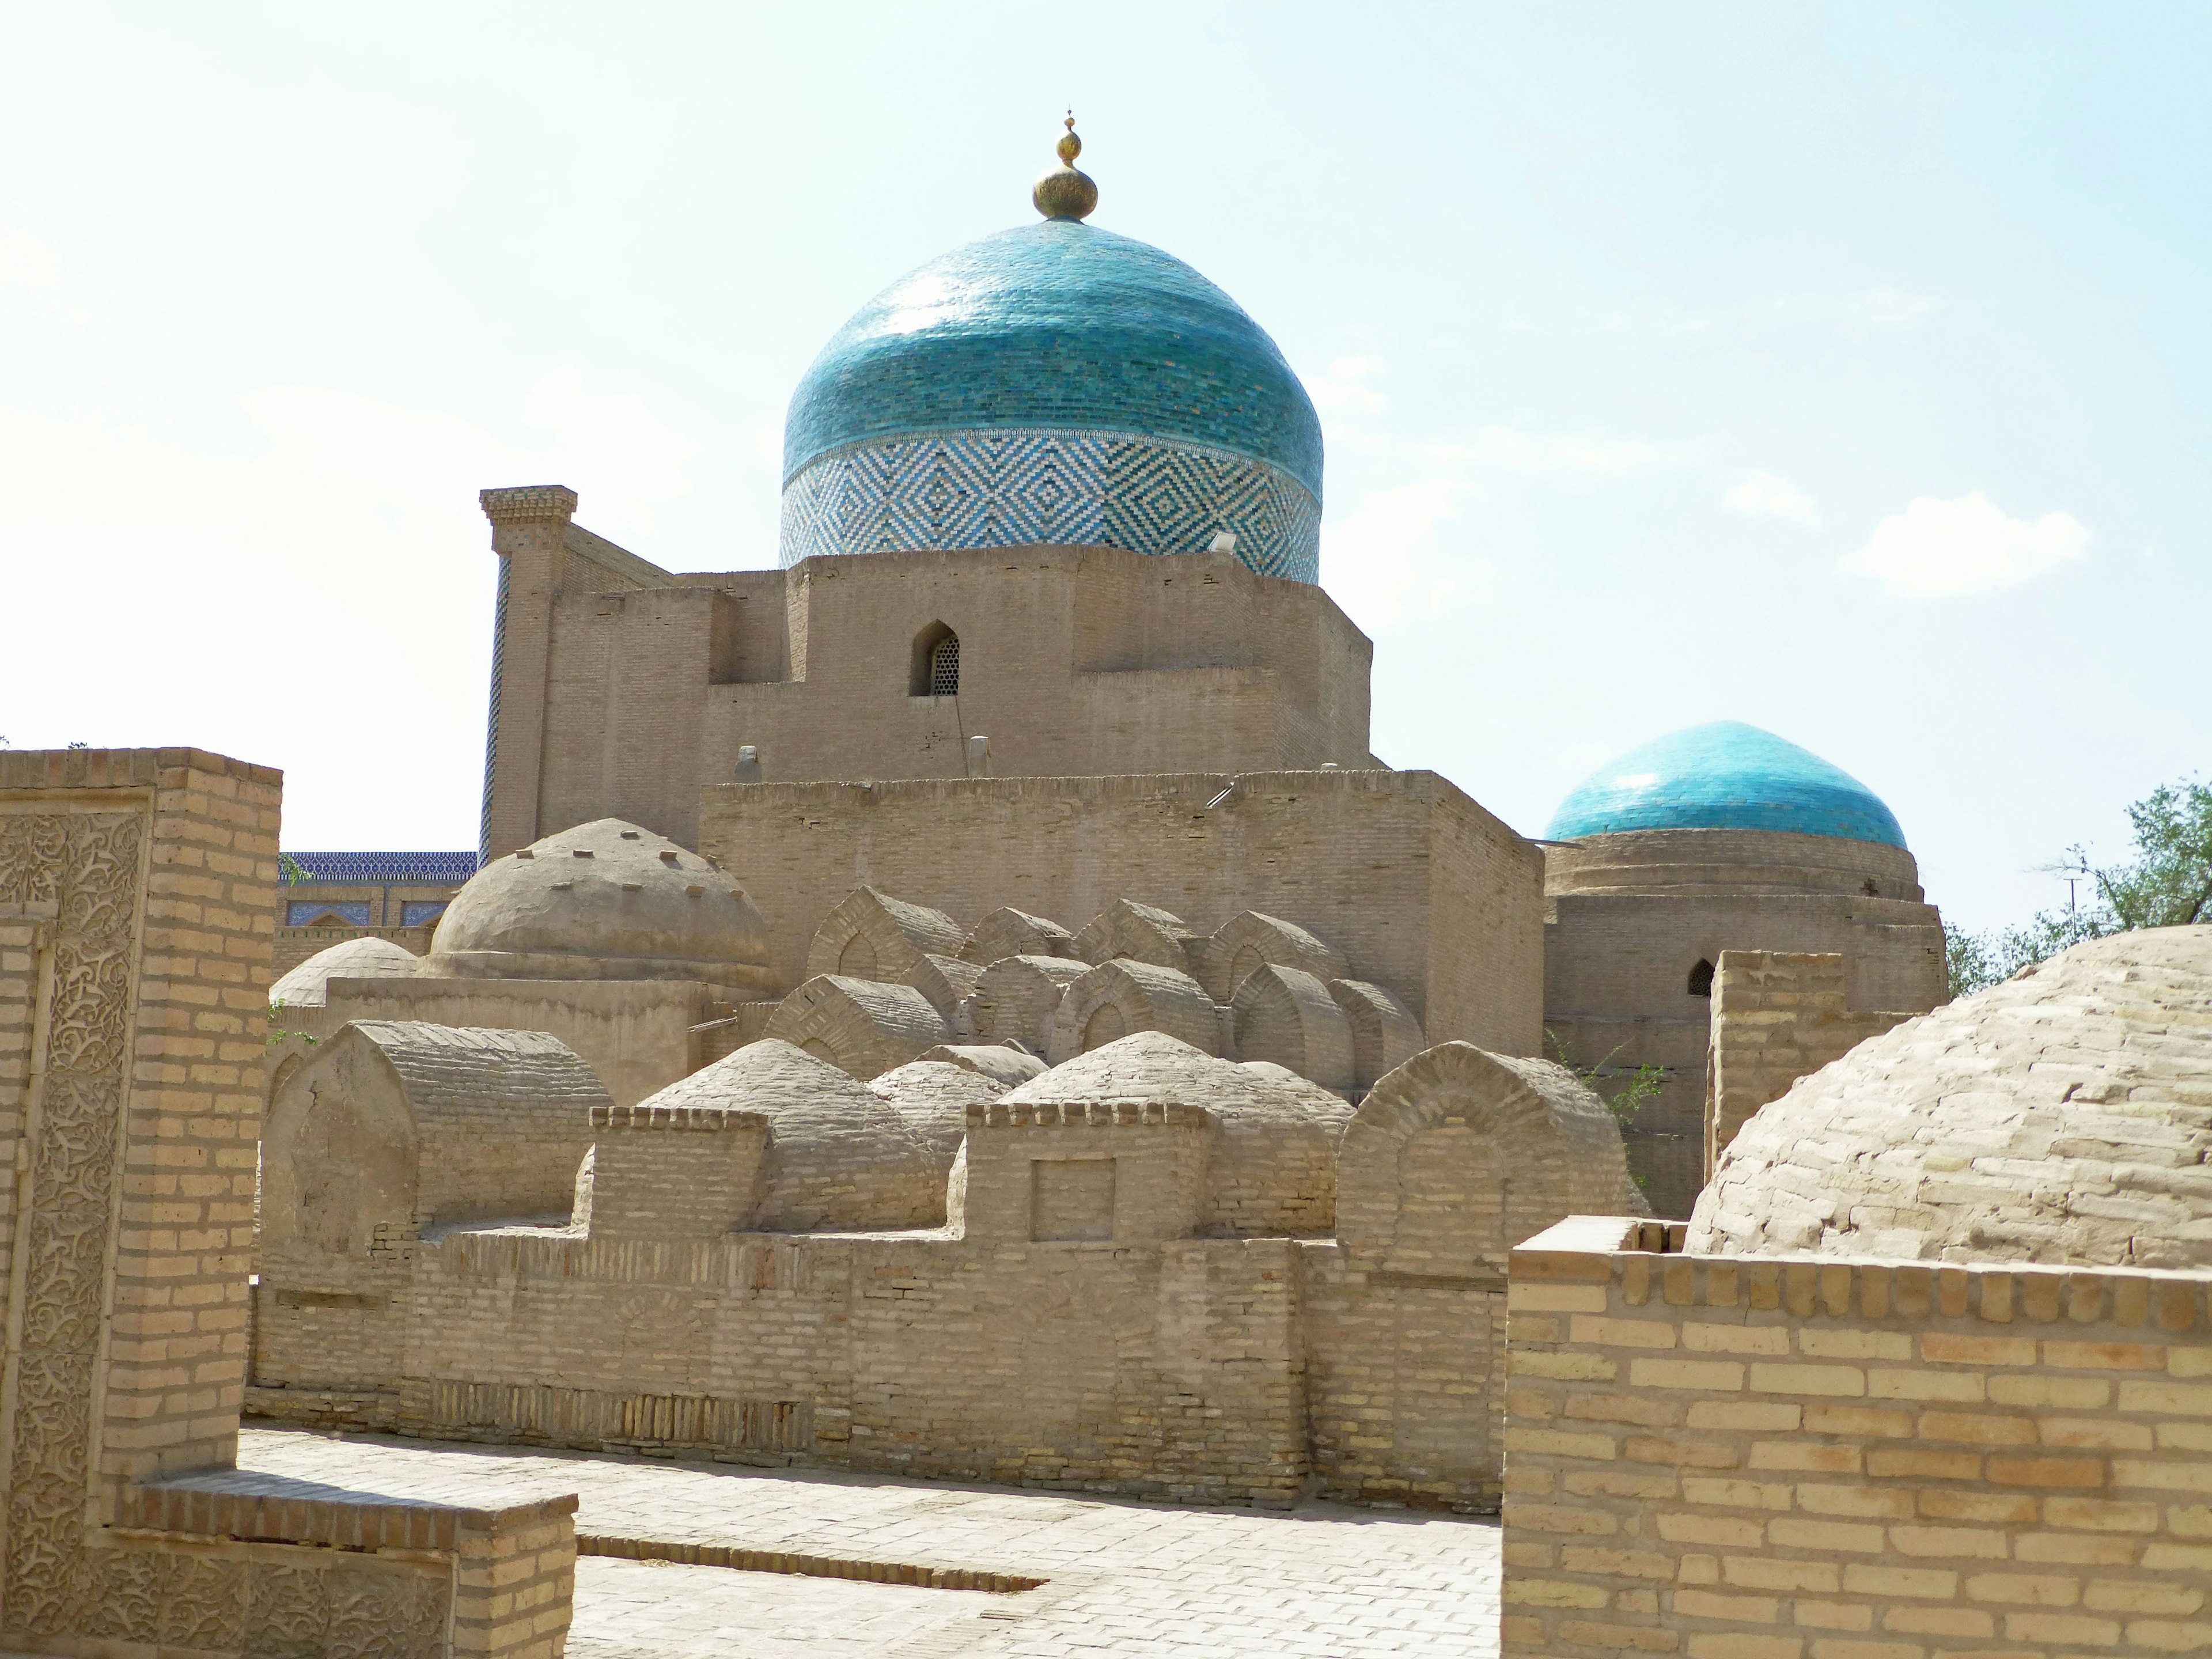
x=1345, y=390
x=1768, y=495
x=1587, y=457
x=1896, y=307
x=1380, y=561
x=614, y=436
x=25, y=261
x=1882, y=307
x=312, y=585
x=1938, y=549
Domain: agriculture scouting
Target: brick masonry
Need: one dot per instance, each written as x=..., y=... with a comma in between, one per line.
x=1777, y=1016
x=1396, y=870
x=138, y=889
x=623, y=690
x=1752, y=1458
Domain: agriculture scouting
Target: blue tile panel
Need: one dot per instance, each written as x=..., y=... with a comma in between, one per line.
x=1007, y=487
x=306, y=912
x=1726, y=775
x=1057, y=325
x=397, y=869
x=413, y=913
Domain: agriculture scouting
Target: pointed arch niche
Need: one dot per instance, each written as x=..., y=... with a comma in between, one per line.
x=934, y=668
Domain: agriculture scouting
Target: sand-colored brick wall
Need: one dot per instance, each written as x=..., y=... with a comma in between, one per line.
x=1425, y=892
x=138, y=903
x=294, y=946
x=1127, y=1174
x=622, y=689
x=1752, y=1458
x=1175, y=1369
x=1777, y=1016
x=635, y=1034
x=1630, y=916
x=1402, y=1374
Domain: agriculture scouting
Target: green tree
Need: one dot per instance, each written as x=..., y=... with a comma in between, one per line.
x=2167, y=883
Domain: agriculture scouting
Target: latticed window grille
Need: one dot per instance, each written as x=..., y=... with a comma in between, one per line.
x=944, y=667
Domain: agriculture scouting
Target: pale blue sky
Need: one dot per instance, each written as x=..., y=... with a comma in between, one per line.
x=1839, y=369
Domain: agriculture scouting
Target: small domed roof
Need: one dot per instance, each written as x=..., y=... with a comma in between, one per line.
x=934, y=1096
x=1062, y=324
x=2059, y=1117
x=1726, y=775
x=1271, y=1166
x=840, y=1156
x=306, y=984
x=605, y=899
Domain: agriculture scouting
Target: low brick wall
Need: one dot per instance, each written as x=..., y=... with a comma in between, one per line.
x=428, y=1577
x=1756, y=1458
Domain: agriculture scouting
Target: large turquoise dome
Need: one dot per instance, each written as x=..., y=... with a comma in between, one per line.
x=1726, y=775
x=1053, y=383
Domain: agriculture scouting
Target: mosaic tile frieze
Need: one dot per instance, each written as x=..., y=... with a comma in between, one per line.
x=306, y=912
x=399, y=869
x=1007, y=487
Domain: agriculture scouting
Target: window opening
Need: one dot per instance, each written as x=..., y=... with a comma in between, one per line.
x=1701, y=979
x=944, y=667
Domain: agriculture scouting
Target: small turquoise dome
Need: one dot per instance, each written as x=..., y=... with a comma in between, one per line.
x=1053, y=383
x=1726, y=775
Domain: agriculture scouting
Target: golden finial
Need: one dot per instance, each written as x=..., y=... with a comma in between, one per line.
x=1063, y=193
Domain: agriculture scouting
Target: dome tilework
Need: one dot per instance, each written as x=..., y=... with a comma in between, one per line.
x=1726, y=775
x=1054, y=383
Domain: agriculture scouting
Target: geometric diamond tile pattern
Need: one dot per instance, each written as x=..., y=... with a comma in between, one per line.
x=1005, y=487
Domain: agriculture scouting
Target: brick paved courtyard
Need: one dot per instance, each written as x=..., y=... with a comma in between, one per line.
x=1119, y=1577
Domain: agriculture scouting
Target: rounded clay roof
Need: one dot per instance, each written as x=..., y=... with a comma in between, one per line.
x=368, y=957
x=1726, y=775
x=605, y=899
x=1151, y=1067
x=1057, y=324
x=2062, y=1116
x=840, y=1156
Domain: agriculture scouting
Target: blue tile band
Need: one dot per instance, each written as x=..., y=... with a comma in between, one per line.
x=1008, y=488
x=304, y=913
x=1726, y=775
x=398, y=869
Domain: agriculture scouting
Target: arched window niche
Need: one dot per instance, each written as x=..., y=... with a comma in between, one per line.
x=1701, y=979
x=934, y=671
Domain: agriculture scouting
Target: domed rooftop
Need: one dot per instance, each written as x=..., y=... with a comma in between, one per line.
x=607, y=900
x=1271, y=1162
x=2062, y=1116
x=1053, y=383
x=1726, y=775
x=840, y=1156
x=306, y=985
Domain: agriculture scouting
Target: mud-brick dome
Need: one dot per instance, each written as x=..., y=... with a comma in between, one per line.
x=607, y=900
x=1725, y=775
x=1053, y=383
x=840, y=1156
x=306, y=985
x=2062, y=1116
x=1271, y=1160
